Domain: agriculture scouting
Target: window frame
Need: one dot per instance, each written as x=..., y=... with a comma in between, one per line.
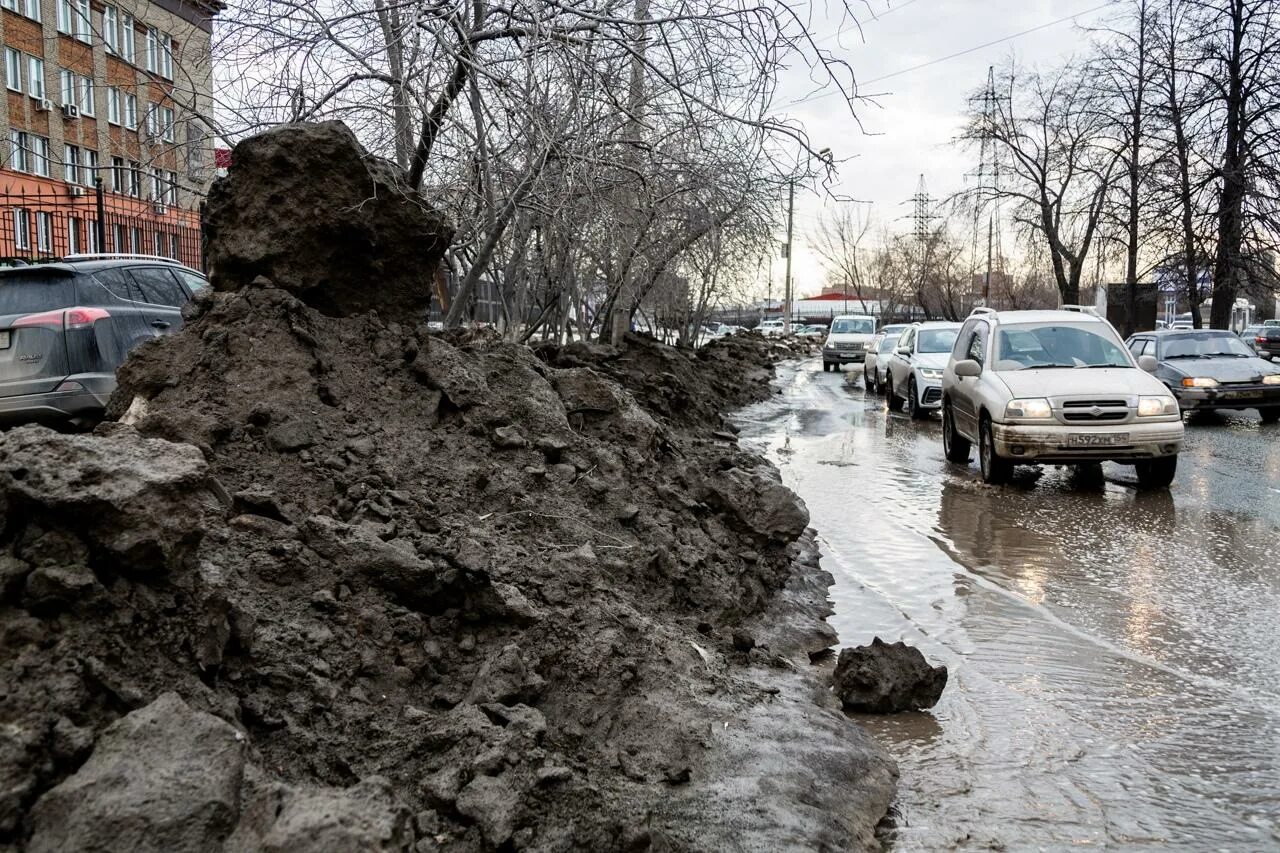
x=113, y=105
x=44, y=231
x=35, y=77
x=13, y=58
x=21, y=229
x=128, y=38
x=71, y=163
x=111, y=29
x=980, y=335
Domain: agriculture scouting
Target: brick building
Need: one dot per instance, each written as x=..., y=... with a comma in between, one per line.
x=110, y=91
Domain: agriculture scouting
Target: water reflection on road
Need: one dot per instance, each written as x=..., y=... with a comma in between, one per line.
x=1114, y=655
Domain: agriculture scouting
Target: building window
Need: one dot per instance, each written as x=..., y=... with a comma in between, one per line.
x=90, y=170
x=86, y=96
x=39, y=155
x=157, y=185
x=159, y=53
x=131, y=112
x=171, y=188
x=13, y=69
x=111, y=28
x=17, y=150
x=71, y=164
x=35, y=77
x=173, y=246
x=92, y=233
x=118, y=179
x=135, y=179
x=166, y=124
x=73, y=19
x=30, y=8
x=127, y=30
x=44, y=231
x=135, y=240
x=21, y=228
x=74, y=243
x=117, y=237
x=113, y=105
x=160, y=243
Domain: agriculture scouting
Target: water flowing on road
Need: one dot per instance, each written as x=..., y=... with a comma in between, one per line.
x=1114, y=655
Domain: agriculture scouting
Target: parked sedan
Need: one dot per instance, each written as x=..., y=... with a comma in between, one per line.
x=879, y=351
x=1209, y=369
x=1266, y=340
x=915, y=369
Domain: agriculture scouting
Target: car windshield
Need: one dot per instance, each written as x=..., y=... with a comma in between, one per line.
x=889, y=342
x=1205, y=345
x=853, y=326
x=1054, y=346
x=936, y=340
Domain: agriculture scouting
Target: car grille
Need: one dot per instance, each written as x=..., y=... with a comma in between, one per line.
x=1095, y=411
x=853, y=347
x=932, y=395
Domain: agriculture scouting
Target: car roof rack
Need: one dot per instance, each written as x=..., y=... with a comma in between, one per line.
x=120, y=256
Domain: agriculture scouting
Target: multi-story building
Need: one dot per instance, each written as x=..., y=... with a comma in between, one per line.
x=103, y=140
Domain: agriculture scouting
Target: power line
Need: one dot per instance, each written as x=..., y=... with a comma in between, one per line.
x=956, y=55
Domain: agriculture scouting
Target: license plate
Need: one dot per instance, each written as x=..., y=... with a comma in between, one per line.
x=1243, y=395
x=4, y=339
x=1097, y=439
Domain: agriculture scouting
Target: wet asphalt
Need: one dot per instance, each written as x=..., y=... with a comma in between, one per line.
x=1114, y=655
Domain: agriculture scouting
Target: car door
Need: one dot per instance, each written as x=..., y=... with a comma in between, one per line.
x=964, y=408
x=163, y=295
x=900, y=363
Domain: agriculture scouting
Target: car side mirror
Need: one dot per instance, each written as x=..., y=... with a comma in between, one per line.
x=1266, y=356
x=968, y=367
x=903, y=350
x=1148, y=363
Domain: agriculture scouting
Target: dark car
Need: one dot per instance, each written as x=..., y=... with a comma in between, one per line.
x=66, y=326
x=1212, y=369
x=1265, y=339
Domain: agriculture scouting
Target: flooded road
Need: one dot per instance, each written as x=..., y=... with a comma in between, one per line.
x=1114, y=656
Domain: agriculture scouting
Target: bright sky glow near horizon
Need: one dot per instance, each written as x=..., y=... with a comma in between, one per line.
x=908, y=129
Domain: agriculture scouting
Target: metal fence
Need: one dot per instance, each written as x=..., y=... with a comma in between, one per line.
x=46, y=226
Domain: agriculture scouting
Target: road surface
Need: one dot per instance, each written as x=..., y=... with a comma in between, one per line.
x=1114, y=655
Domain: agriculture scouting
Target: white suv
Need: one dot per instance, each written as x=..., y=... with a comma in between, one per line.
x=914, y=374
x=1058, y=387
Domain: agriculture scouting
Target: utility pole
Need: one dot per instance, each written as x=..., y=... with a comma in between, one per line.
x=786, y=300
x=987, y=189
x=986, y=281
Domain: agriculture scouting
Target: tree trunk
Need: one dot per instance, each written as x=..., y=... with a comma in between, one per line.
x=1227, y=266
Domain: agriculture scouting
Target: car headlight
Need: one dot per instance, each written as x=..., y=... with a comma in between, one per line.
x=1273, y=379
x=1199, y=382
x=930, y=373
x=1150, y=407
x=1035, y=407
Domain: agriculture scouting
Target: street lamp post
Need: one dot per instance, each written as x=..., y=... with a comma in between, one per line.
x=825, y=156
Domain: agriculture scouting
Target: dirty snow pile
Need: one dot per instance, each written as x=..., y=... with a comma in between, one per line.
x=327, y=581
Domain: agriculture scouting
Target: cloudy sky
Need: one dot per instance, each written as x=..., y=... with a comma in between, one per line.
x=908, y=130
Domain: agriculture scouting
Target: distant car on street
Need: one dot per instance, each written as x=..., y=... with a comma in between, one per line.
x=914, y=374
x=847, y=340
x=811, y=331
x=1210, y=369
x=879, y=352
x=1265, y=340
x=770, y=327
x=1055, y=387
x=66, y=326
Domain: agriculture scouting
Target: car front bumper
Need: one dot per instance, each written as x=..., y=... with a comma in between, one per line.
x=930, y=391
x=843, y=356
x=1233, y=397
x=1052, y=443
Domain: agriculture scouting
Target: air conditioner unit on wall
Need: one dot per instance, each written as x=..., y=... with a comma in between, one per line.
x=70, y=111
x=159, y=208
x=75, y=191
x=44, y=105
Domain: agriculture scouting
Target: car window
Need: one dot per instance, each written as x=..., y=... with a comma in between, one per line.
x=1136, y=345
x=1148, y=347
x=888, y=342
x=196, y=283
x=1057, y=346
x=1205, y=345
x=120, y=284
x=32, y=293
x=907, y=338
x=936, y=340
x=977, y=349
x=158, y=286
x=853, y=326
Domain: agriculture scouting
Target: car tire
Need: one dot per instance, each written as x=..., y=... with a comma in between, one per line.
x=1270, y=416
x=995, y=468
x=1156, y=473
x=890, y=398
x=917, y=412
x=954, y=445
x=826, y=367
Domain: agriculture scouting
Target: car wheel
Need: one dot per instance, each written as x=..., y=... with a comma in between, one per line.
x=890, y=399
x=1156, y=473
x=995, y=469
x=954, y=445
x=916, y=411
x=1270, y=416
x=826, y=367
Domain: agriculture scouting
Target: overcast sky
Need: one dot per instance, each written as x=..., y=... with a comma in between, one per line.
x=908, y=132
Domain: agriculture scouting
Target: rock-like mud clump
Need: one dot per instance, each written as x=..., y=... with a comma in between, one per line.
x=327, y=581
x=884, y=678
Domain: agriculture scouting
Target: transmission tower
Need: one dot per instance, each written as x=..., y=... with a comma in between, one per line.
x=922, y=212
x=986, y=192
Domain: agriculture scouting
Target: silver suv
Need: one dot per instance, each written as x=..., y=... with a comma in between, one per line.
x=1058, y=387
